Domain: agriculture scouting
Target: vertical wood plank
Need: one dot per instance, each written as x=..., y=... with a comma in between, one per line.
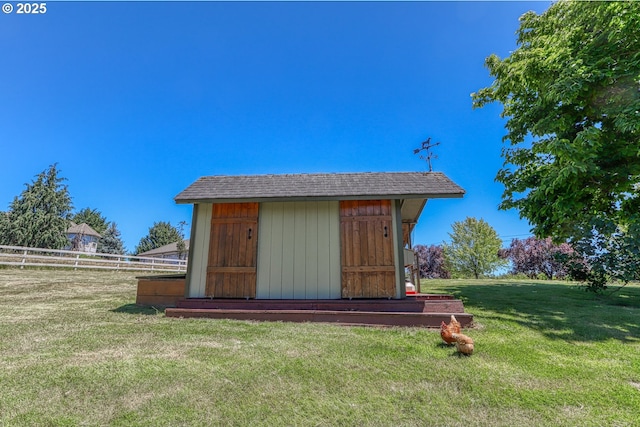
x=264, y=249
x=334, y=250
x=275, y=278
x=213, y=248
x=379, y=241
x=288, y=238
x=300, y=249
x=196, y=281
x=364, y=235
x=346, y=243
x=312, y=231
x=369, y=208
x=388, y=245
x=324, y=249
x=244, y=242
x=356, y=244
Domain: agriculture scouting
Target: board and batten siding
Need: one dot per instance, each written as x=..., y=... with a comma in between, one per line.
x=199, y=250
x=299, y=250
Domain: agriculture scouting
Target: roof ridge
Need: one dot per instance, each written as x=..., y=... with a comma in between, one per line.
x=327, y=173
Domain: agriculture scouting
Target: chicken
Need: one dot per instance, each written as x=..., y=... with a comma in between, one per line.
x=447, y=330
x=464, y=344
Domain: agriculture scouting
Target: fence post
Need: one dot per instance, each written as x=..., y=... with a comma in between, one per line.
x=75, y=266
x=24, y=259
x=118, y=265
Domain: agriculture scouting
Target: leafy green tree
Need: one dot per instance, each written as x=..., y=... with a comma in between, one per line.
x=162, y=233
x=605, y=254
x=111, y=241
x=473, y=251
x=39, y=217
x=571, y=96
x=93, y=218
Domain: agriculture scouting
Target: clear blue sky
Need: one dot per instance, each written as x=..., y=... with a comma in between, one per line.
x=135, y=101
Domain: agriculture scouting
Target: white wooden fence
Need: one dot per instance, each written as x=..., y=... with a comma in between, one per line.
x=34, y=257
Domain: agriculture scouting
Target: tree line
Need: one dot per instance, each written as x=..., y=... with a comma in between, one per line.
x=475, y=251
x=41, y=215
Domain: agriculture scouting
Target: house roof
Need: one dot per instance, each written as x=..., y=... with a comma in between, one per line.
x=171, y=248
x=320, y=186
x=83, y=229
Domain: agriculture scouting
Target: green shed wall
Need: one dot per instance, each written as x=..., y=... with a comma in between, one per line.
x=299, y=251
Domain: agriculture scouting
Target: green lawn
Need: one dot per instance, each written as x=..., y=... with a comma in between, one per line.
x=75, y=350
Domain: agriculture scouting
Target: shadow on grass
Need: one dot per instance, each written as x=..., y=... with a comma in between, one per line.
x=139, y=309
x=558, y=310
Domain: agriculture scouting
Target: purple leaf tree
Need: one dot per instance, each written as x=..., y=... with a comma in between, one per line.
x=533, y=256
x=431, y=260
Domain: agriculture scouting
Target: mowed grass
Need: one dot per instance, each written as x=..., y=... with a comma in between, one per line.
x=75, y=350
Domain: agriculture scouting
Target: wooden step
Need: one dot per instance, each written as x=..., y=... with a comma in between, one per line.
x=409, y=305
x=429, y=320
x=420, y=310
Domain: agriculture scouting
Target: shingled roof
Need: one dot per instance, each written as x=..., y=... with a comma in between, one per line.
x=171, y=248
x=83, y=229
x=320, y=186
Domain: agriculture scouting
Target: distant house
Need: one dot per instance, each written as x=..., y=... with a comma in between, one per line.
x=169, y=251
x=306, y=236
x=82, y=238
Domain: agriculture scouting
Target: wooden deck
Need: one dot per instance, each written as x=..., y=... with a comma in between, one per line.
x=420, y=310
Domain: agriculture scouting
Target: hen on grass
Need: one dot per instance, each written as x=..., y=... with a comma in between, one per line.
x=464, y=344
x=447, y=331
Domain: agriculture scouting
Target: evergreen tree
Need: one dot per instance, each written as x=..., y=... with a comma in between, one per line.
x=111, y=242
x=473, y=251
x=39, y=217
x=93, y=218
x=4, y=228
x=162, y=233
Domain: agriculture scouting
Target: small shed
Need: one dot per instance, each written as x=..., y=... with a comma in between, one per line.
x=305, y=236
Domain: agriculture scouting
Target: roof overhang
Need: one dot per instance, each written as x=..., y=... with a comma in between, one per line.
x=420, y=199
x=411, y=209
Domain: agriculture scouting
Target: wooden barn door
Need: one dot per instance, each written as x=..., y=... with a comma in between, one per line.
x=231, y=269
x=366, y=239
